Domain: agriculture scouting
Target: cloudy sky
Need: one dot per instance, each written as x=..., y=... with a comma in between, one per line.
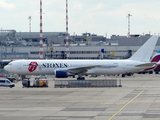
x=102, y=17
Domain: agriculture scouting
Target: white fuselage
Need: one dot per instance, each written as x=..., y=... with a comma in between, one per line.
x=48, y=67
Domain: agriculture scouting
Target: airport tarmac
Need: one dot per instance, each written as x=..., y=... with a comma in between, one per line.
x=137, y=99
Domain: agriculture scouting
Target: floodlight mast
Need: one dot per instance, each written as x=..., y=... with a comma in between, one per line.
x=129, y=15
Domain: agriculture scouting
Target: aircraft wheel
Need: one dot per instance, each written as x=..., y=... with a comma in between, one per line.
x=129, y=74
x=156, y=72
x=123, y=75
x=81, y=78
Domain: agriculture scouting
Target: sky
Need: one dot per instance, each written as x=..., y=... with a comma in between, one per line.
x=101, y=17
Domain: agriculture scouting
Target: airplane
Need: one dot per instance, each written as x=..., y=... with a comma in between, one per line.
x=156, y=58
x=156, y=69
x=139, y=61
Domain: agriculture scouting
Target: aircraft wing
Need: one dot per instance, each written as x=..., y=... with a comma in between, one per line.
x=82, y=69
x=146, y=64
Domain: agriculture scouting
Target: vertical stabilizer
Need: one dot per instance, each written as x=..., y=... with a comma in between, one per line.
x=144, y=53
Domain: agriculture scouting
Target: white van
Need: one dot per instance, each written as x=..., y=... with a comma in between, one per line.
x=6, y=83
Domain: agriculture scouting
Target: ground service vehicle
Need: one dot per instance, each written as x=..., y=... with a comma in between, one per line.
x=6, y=83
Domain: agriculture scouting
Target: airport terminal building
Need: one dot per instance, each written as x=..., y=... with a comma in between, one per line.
x=25, y=45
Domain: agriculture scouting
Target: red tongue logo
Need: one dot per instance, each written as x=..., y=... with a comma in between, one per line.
x=32, y=66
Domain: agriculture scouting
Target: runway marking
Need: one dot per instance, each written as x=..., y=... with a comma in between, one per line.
x=125, y=106
x=112, y=103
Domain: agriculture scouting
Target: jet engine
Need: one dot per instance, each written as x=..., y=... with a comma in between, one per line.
x=61, y=74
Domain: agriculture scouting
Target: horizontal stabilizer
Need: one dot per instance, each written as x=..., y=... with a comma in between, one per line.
x=158, y=63
x=146, y=64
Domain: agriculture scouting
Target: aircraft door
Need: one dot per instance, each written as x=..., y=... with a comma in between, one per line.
x=123, y=65
x=20, y=66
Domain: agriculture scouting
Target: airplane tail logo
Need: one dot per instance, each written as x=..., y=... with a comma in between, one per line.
x=156, y=57
x=32, y=66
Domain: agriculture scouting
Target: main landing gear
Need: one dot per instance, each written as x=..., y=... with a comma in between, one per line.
x=80, y=77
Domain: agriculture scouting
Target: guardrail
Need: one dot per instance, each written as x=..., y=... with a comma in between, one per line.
x=87, y=83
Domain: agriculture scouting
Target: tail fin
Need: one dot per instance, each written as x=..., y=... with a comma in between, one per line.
x=144, y=53
x=156, y=57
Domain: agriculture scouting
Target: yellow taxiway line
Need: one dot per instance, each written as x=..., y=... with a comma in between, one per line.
x=125, y=105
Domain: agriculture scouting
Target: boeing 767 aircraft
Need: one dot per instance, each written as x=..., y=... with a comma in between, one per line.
x=64, y=68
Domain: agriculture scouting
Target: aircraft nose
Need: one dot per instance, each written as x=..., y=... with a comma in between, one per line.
x=6, y=68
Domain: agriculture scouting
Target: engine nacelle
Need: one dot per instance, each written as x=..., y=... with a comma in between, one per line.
x=61, y=74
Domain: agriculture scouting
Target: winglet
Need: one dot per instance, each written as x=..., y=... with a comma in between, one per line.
x=144, y=53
